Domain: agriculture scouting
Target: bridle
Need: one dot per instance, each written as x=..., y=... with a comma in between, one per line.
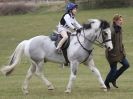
x=104, y=39
x=92, y=41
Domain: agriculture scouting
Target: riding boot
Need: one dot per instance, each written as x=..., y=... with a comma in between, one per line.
x=107, y=85
x=59, y=51
x=114, y=84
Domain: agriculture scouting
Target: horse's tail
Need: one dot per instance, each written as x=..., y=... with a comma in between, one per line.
x=15, y=59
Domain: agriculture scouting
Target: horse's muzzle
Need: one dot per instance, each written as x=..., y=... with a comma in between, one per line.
x=109, y=48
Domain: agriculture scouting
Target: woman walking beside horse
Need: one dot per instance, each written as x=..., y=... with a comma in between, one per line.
x=117, y=55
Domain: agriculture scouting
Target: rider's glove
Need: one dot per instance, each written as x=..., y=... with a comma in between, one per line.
x=78, y=30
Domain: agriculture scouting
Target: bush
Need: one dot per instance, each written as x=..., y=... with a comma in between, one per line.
x=112, y=3
x=90, y=4
x=13, y=9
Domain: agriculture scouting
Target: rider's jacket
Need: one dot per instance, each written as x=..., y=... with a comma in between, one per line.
x=68, y=22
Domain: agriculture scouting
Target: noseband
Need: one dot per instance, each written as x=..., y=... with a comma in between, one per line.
x=103, y=37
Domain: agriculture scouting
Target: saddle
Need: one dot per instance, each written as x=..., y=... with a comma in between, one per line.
x=57, y=37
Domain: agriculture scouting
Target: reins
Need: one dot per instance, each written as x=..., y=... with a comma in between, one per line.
x=89, y=51
x=99, y=44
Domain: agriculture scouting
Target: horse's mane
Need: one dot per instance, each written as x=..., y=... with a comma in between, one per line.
x=87, y=25
x=103, y=25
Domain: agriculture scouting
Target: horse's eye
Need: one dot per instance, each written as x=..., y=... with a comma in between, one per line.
x=105, y=34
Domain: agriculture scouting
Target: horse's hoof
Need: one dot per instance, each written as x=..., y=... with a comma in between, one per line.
x=3, y=71
x=50, y=87
x=68, y=91
x=25, y=92
x=105, y=89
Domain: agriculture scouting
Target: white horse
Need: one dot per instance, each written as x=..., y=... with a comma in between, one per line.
x=41, y=48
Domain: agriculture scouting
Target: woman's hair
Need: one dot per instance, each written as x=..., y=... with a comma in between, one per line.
x=116, y=17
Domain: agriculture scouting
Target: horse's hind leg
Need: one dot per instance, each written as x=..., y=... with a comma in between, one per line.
x=93, y=68
x=39, y=73
x=28, y=77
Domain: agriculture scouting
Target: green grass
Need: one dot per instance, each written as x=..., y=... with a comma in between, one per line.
x=14, y=29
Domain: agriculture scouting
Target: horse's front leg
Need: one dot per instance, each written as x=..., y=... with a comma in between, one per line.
x=73, y=68
x=93, y=68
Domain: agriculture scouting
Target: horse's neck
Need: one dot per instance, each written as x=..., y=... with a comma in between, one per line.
x=84, y=39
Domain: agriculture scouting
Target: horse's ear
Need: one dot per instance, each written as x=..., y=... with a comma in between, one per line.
x=86, y=26
x=104, y=24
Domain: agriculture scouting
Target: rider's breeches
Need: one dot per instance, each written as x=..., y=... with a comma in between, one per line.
x=65, y=37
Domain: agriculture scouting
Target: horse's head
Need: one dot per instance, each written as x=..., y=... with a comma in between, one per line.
x=101, y=30
x=105, y=34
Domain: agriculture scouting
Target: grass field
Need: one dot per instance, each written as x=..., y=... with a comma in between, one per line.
x=14, y=29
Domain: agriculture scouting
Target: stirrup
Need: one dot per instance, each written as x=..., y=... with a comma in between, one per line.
x=59, y=51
